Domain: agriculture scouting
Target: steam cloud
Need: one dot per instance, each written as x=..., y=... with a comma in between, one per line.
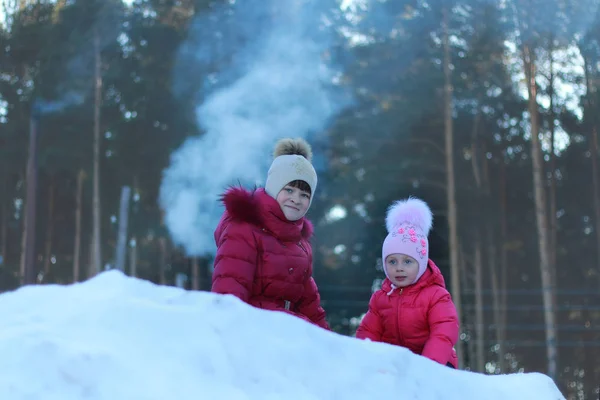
x=276, y=83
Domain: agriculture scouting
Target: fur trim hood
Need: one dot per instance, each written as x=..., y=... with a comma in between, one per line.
x=257, y=208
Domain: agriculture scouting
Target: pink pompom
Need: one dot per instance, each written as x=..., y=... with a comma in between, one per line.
x=410, y=211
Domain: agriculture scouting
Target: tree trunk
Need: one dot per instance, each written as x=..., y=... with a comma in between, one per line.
x=451, y=187
x=91, y=270
x=591, y=110
x=97, y=253
x=541, y=213
x=552, y=194
x=162, y=278
x=596, y=187
x=195, y=274
x=492, y=264
x=479, y=321
x=476, y=165
x=4, y=223
x=23, y=244
x=29, y=263
x=552, y=244
x=503, y=259
x=121, y=250
x=589, y=360
x=491, y=227
x=133, y=257
x=78, y=212
x=468, y=326
x=481, y=173
x=49, y=228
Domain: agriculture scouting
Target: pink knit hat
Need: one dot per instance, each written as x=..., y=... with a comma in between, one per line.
x=408, y=223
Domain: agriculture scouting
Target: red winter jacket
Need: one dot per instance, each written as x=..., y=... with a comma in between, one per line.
x=263, y=258
x=420, y=317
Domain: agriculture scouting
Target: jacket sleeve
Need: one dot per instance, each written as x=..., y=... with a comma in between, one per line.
x=443, y=328
x=310, y=304
x=235, y=261
x=371, y=325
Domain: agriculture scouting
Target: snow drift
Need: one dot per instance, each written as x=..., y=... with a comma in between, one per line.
x=115, y=337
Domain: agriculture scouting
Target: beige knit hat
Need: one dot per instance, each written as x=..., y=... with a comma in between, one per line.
x=291, y=162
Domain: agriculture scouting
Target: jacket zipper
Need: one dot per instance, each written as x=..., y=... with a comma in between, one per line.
x=398, y=321
x=302, y=247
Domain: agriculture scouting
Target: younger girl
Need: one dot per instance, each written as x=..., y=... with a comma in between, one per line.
x=264, y=255
x=412, y=309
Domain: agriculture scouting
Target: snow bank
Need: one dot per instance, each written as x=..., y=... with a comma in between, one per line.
x=116, y=337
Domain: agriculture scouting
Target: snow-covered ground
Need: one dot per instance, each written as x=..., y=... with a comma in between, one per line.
x=116, y=337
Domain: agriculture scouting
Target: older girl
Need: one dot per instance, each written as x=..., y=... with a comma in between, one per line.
x=264, y=254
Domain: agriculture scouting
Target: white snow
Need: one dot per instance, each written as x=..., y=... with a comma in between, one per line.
x=115, y=337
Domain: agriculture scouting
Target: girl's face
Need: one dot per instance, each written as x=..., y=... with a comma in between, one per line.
x=401, y=269
x=293, y=202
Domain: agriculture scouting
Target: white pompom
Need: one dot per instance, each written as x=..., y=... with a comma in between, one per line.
x=411, y=210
